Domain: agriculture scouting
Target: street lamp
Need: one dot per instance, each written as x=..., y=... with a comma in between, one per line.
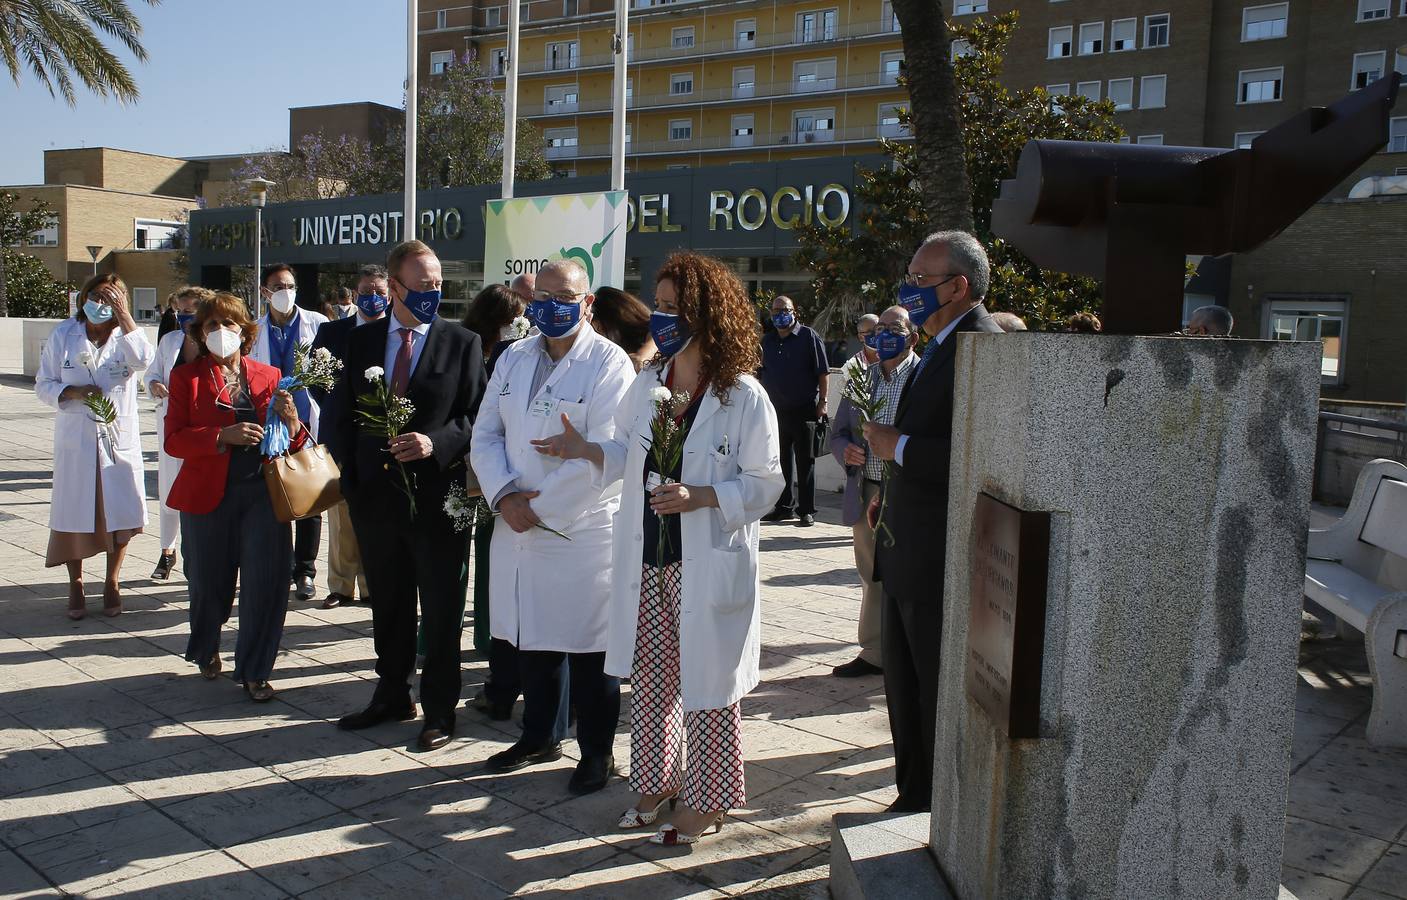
x=260, y=188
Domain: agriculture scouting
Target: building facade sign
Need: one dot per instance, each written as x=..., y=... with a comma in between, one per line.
x=751, y=210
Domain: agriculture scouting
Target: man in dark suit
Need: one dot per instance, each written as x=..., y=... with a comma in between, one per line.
x=944, y=288
x=344, y=561
x=411, y=549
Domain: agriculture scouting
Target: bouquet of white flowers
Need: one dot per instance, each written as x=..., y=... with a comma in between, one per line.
x=384, y=414
x=519, y=328
x=313, y=368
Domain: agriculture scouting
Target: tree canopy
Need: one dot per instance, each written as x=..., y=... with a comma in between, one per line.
x=26, y=286
x=858, y=268
x=58, y=40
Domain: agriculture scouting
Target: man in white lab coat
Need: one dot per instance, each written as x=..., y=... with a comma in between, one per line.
x=549, y=585
x=283, y=329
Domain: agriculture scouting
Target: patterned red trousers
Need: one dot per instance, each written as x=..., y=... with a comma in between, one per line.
x=709, y=778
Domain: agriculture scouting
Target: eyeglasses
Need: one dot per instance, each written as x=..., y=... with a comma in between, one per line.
x=865, y=333
x=924, y=279
x=559, y=296
x=895, y=329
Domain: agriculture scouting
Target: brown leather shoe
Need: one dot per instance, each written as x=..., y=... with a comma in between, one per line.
x=211, y=669
x=437, y=732
x=77, y=602
x=259, y=691
x=112, y=600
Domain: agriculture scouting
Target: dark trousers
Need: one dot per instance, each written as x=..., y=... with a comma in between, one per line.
x=239, y=539
x=547, y=676
x=408, y=560
x=504, y=682
x=795, y=440
x=307, y=535
x=910, y=635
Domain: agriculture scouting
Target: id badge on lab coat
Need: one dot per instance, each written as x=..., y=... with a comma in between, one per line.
x=542, y=407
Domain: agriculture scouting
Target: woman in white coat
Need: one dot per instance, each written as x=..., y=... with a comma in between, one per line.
x=684, y=619
x=98, y=502
x=173, y=348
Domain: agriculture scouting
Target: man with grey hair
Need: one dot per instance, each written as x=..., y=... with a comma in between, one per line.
x=1210, y=321
x=548, y=588
x=864, y=330
x=1009, y=322
x=893, y=343
x=943, y=290
x=345, y=577
x=523, y=285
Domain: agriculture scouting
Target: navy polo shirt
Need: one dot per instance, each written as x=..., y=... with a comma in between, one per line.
x=791, y=367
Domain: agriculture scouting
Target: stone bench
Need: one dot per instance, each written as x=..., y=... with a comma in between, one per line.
x=1357, y=571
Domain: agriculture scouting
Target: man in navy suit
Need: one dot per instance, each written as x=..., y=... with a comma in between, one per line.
x=344, y=560
x=943, y=291
x=396, y=490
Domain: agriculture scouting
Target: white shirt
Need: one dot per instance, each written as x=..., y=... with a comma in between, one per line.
x=393, y=346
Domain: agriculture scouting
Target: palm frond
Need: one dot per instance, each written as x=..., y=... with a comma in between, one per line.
x=58, y=40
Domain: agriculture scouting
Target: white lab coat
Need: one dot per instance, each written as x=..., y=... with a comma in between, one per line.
x=168, y=354
x=546, y=593
x=308, y=324
x=734, y=448
x=117, y=364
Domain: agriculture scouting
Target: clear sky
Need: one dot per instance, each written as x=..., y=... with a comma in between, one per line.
x=220, y=77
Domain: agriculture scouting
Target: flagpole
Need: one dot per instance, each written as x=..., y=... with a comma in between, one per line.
x=510, y=102
x=622, y=42
x=408, y=229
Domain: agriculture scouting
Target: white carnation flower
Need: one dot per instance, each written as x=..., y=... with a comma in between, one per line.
x=660, y=394
x=323, y=353
x=374, y=373
x=520, y=327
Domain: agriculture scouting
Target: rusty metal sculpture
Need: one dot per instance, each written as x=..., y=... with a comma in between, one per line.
x=1129, y=215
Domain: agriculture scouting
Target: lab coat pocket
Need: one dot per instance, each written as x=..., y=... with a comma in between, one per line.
x=575, y=413
x=732, y=578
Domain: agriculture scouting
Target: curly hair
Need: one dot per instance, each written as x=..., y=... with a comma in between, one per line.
x=715, y=306
x=223, y=305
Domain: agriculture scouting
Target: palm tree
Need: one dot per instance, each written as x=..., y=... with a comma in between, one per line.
x=938, y=145
x=58, y=39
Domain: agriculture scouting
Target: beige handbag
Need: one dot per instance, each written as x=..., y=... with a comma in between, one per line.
x=303, y=484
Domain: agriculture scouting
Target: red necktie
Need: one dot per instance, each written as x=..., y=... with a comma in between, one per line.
x=400, y=376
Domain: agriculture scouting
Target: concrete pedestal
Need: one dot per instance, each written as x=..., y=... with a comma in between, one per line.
x=1178, y=475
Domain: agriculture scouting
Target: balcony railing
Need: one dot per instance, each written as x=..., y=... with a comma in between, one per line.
x=777, y=89
x=773, y=41
x=779, y=140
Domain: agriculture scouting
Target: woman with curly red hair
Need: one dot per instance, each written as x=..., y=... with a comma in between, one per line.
x=684, y=620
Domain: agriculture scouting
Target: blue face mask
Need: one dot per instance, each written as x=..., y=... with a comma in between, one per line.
x=184, y=319
x=784, y=320
x=422, y=304
x=371, y=305
x=889, y=345
x=670, y=332
x=871, y=340
x=920, y=302
x=97, y=313
x=555, y=318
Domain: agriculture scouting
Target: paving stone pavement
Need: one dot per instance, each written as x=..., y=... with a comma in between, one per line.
x=122, y=772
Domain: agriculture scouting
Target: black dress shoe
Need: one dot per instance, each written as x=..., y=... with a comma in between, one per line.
x=164, y=565
x=377, y=713
x=592, y=774
x=806, y=521
x=856, y=668
x=498, y=712
x=304, y=589
x=777, y=515
x=902, y=806
x=436, y=733
x=521, y=755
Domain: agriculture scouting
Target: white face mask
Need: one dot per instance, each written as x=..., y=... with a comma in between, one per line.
x=282, y=301
x=222, y=343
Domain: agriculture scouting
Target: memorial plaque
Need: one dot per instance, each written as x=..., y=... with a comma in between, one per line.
x=1006, y=618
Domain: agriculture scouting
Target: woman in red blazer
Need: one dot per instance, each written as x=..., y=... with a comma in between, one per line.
x=214, y=423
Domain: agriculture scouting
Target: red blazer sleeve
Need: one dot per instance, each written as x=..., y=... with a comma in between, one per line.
x=184, y=438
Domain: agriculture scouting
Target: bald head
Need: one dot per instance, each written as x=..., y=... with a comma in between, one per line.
x=1009, y=322
x=563, y=275
x=1210, y=321
x=523, y=286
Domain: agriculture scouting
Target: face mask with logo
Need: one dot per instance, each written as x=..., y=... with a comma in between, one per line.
x=222, y=343
x=920, y=302
x=555, y=318
x=184, y=319
x=671, y=333
x=423, y=305
x=371, y=305
x=282, y=300
x=784, y=320
x=889, y=345
x=97, y=313
x=871, y=340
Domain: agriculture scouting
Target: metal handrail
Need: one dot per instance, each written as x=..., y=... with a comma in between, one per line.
x=712, y=95
x=773, y=41
x=1364, y=421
